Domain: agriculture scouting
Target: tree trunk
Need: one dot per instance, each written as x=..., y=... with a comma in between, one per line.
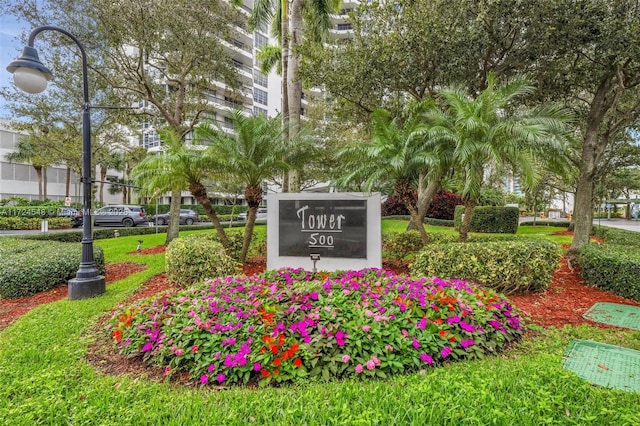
x=174, y=216
x=285, y=80
x=39, y=177
x=404, y=191
x=469, y=205
x=67, y=182
x=200, y=193
x=294, y=83
x=425, y=197
x=253, y=195
x=103, y=177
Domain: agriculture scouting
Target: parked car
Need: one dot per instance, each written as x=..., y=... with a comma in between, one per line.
x=120, y=215
x=74, y=214
x=261, y=216
x=187, y=217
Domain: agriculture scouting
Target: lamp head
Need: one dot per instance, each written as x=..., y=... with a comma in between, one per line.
x=29, y=73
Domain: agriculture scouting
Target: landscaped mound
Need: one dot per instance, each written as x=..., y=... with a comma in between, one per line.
x=289, y=324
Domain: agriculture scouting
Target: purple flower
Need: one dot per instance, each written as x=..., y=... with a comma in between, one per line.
x=221, y=378
x=446, y=351
x=204, y=379
x=147, y=347
x=466, y=343
x=211, y=368
x=422, y=323
x=340, y=336
x=257, y=366
x=358, y=368
x=454, y=319
x=467, y=327
x=415, y=343
x=426, y=358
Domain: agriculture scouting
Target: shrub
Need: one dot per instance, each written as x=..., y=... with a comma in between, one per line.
x=19, y=222
x=519, y=266
x=563, y=223
x=612, y=267
x=392, y=206
x=29, y=267
x=444, y=205
x=193, y=258
x=286, y=325
x=398, y=245
x=492, y=220
x=617, y=236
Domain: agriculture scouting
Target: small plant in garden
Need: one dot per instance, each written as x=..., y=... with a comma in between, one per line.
x=291, y=323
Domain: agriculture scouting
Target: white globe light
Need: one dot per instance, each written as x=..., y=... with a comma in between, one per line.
x=30, y=80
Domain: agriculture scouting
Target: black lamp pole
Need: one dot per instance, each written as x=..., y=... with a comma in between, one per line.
x=32, y=76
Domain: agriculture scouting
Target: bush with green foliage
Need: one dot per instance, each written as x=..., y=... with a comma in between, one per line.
x=519, y=266
x=196, y=257
x=489, y=219
x=491, y=197
x=562, y=223
x=617, y=236
x=398, y=245
x=20, y=222
x=29, y=267
x=612, y=267
x=220, y=209
x=289, y=324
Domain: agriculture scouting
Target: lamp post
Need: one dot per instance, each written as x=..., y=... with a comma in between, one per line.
x=32, y=76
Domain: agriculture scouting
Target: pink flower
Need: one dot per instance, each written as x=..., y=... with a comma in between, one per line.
x=179, y=352
x=358, y=368
x=371, y=365
x=194, y=349
x=167, y=370
x=415, y=343
x=389, y=348
x=221, y=378
x=404, y=332
x=466, y=343
x=257, y=366
x=346, y=358
x=211, y=368
x=366, y=328
x=204, y=379
x=375, y=360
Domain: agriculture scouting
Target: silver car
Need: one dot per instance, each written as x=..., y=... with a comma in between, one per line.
x=120, y=215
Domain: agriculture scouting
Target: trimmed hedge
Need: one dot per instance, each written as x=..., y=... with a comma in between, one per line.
x=29, y=267
x=427, y=220
x=519, y=266
x=20, y=222
x=612, y=267
x=490, y=219
x=220, y=209
x=191, y=259
x=617, y=236
x=563, y=223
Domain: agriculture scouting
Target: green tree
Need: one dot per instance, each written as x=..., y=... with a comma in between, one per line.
x=254, y=153
x=487, y=132
x=178, y=167
x=395, y=155
x=26, y=151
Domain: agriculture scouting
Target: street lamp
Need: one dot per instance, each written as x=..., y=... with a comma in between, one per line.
x=32, y=76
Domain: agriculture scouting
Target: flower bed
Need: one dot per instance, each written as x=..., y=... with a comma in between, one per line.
x=289, y=324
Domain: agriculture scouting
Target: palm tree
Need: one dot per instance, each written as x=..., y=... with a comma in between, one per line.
x=27, y=152
x=294, y=17
x=179, y=166
x=492, y=132
x=254, y=153
x=395, y=154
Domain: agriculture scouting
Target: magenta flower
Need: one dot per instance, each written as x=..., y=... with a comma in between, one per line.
x=454, y=319
x=204, y=379
x=211, y=368
x=422, y=323
x=466, y=343
x=358, y=368
x=221, y=378
x=467, y=327
x=346, y=358
x=179, y=352
x=257, y=366
x=194, y=349
x=147, y=347
x=415, y=343
x=340, y=336
x=446, y=351
x=426, y=358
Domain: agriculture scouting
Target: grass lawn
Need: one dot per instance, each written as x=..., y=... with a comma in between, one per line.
x=44, y=379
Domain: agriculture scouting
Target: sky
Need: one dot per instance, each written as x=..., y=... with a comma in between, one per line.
x=10, y=48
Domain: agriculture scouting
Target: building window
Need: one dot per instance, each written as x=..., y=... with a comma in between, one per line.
x=260, y=96
x=344, y=27
x=258, y=111
x=259, y=78
x=259, y=40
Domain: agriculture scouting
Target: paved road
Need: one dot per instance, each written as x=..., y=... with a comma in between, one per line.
x=629, y=225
